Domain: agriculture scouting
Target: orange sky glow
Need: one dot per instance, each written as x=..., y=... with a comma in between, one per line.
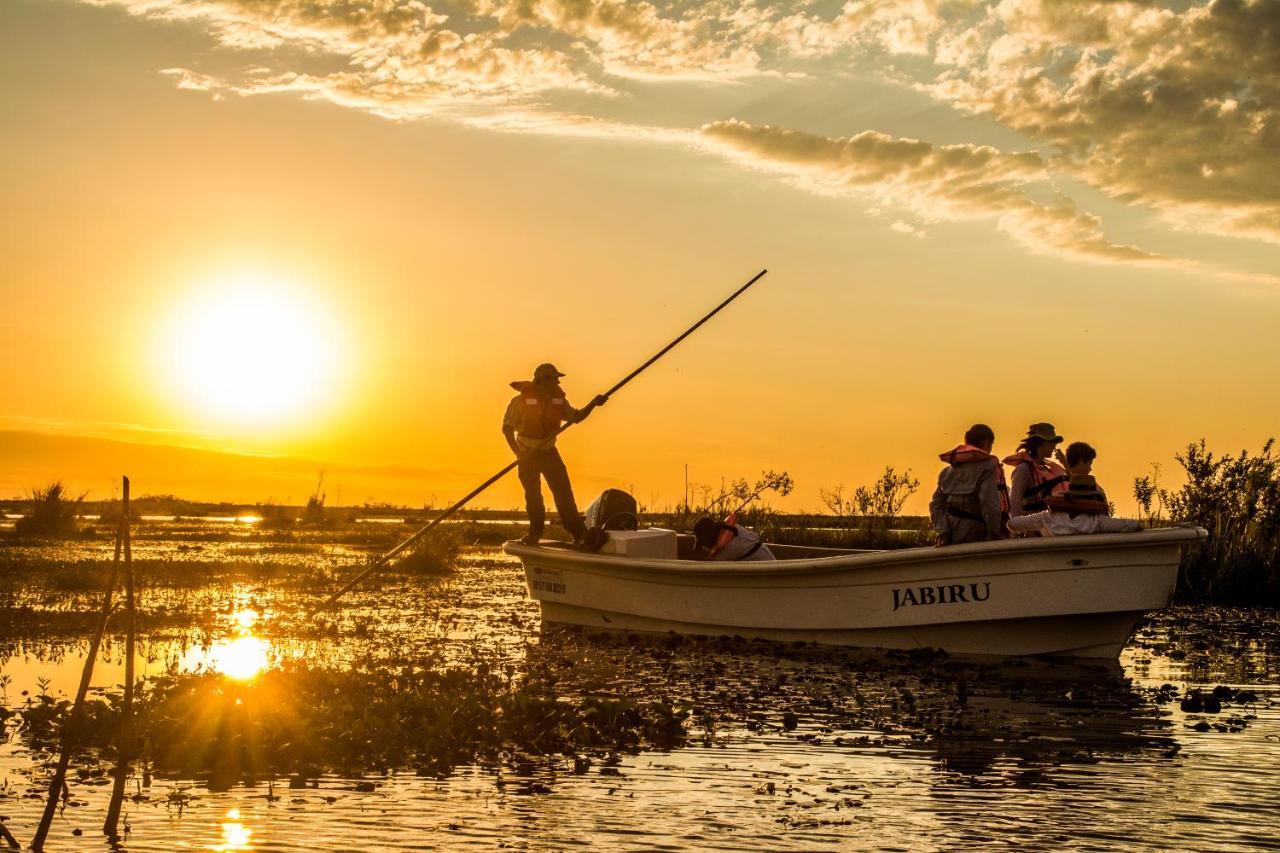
x=245, y=244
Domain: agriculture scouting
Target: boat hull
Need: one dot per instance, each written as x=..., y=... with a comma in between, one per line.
x=1077, y=596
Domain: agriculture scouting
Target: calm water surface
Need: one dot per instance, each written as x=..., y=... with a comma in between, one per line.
x=782, y=752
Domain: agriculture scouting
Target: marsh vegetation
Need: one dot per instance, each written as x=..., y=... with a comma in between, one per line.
x=435, y=700
x=1237, y=499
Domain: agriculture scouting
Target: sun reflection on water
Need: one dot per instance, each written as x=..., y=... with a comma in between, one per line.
x=235, y=835
x=242, y=656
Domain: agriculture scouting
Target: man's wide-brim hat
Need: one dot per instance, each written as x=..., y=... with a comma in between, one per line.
x=1044, y=431
x=546, y=371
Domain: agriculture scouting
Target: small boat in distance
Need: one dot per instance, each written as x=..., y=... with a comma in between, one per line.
x=1069, y=596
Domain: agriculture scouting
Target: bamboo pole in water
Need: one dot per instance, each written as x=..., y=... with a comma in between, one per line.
x=71, y=729
x=386, y=558
x=124, y=747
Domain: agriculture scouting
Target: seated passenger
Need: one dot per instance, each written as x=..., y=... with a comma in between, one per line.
x=719, y=541
x=1035, y=475
x=971, y=501
x=1082, y=508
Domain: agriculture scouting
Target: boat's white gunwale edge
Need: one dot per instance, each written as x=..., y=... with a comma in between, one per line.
x=723, y=583
x=1003, y=548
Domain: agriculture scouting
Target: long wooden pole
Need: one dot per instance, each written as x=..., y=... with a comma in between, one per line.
x=71, y=729
x=388, y=556
x=124, y=746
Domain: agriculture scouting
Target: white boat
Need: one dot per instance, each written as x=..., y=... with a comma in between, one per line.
x=1071, y=596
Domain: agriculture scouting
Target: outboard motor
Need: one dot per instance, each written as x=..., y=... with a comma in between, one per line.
x=613, y=510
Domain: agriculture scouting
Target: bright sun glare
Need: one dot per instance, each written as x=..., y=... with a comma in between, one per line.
x=250, y=348
x=241, y=657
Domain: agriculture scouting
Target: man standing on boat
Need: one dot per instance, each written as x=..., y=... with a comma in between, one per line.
x=532, y=421
x=971, y=502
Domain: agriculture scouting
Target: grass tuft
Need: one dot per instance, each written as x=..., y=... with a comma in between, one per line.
x=51, y=512
x=437, y=552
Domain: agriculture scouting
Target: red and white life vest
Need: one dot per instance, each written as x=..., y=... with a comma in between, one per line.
x=1047, y=478
x=540, y=414
x=967, y=453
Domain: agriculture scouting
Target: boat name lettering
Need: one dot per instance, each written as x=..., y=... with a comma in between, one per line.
x=941, y=594
x=548, y=586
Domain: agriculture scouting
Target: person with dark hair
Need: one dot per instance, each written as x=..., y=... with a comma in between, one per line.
x=971, y=501
x=530, y=425
x=1035, y=476
x=721, y=541
x=1080, y=458
x=1081, y=508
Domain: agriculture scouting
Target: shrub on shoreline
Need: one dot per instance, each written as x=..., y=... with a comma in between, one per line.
x=1237, y=500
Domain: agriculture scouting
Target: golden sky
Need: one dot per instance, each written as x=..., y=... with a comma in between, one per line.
x=327, y=235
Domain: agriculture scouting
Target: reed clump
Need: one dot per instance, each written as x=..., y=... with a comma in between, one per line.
x=1236, y=498
x=50, y=512
x=437, y=552
x=275, y=517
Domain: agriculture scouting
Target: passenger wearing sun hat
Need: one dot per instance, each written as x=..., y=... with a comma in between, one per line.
x=1035, y=476
x=1081, y=508
x=531, y=423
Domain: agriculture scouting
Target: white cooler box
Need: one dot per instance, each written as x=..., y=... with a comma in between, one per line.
x=652, y=542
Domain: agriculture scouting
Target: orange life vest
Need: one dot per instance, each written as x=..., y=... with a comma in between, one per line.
x=540, y=414
x=966, y=453
x=1074, y=505
x=1047, y=478
x=726, y=536
x=1082, y=497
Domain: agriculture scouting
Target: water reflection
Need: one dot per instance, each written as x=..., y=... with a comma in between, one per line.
x=235, y=835
x=242, y=656
x=784, y=747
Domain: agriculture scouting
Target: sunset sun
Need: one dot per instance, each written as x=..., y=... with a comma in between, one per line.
x=250, y=349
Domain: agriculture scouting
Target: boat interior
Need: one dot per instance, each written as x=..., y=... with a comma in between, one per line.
x=685, y=547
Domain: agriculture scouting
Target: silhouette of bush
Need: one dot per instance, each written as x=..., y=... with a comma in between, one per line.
x=50, y=512
x=1236, y=499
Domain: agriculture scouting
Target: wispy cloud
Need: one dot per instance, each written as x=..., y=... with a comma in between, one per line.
x=1172, y=107
x=937, y=182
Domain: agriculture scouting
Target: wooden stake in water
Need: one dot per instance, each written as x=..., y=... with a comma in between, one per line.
x=71, y=729
x=124, y=746
x=386, y=558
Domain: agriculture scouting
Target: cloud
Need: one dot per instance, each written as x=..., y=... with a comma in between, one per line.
x=937, y=182
x=1177, y=107
x=396, y=58
x=1168, y=107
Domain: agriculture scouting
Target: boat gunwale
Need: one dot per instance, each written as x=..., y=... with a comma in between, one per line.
x=1181, y=535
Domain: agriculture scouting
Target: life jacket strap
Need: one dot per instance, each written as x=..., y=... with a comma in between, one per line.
x=956, y=512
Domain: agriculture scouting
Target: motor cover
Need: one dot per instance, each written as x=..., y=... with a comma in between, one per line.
x=613, y=510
